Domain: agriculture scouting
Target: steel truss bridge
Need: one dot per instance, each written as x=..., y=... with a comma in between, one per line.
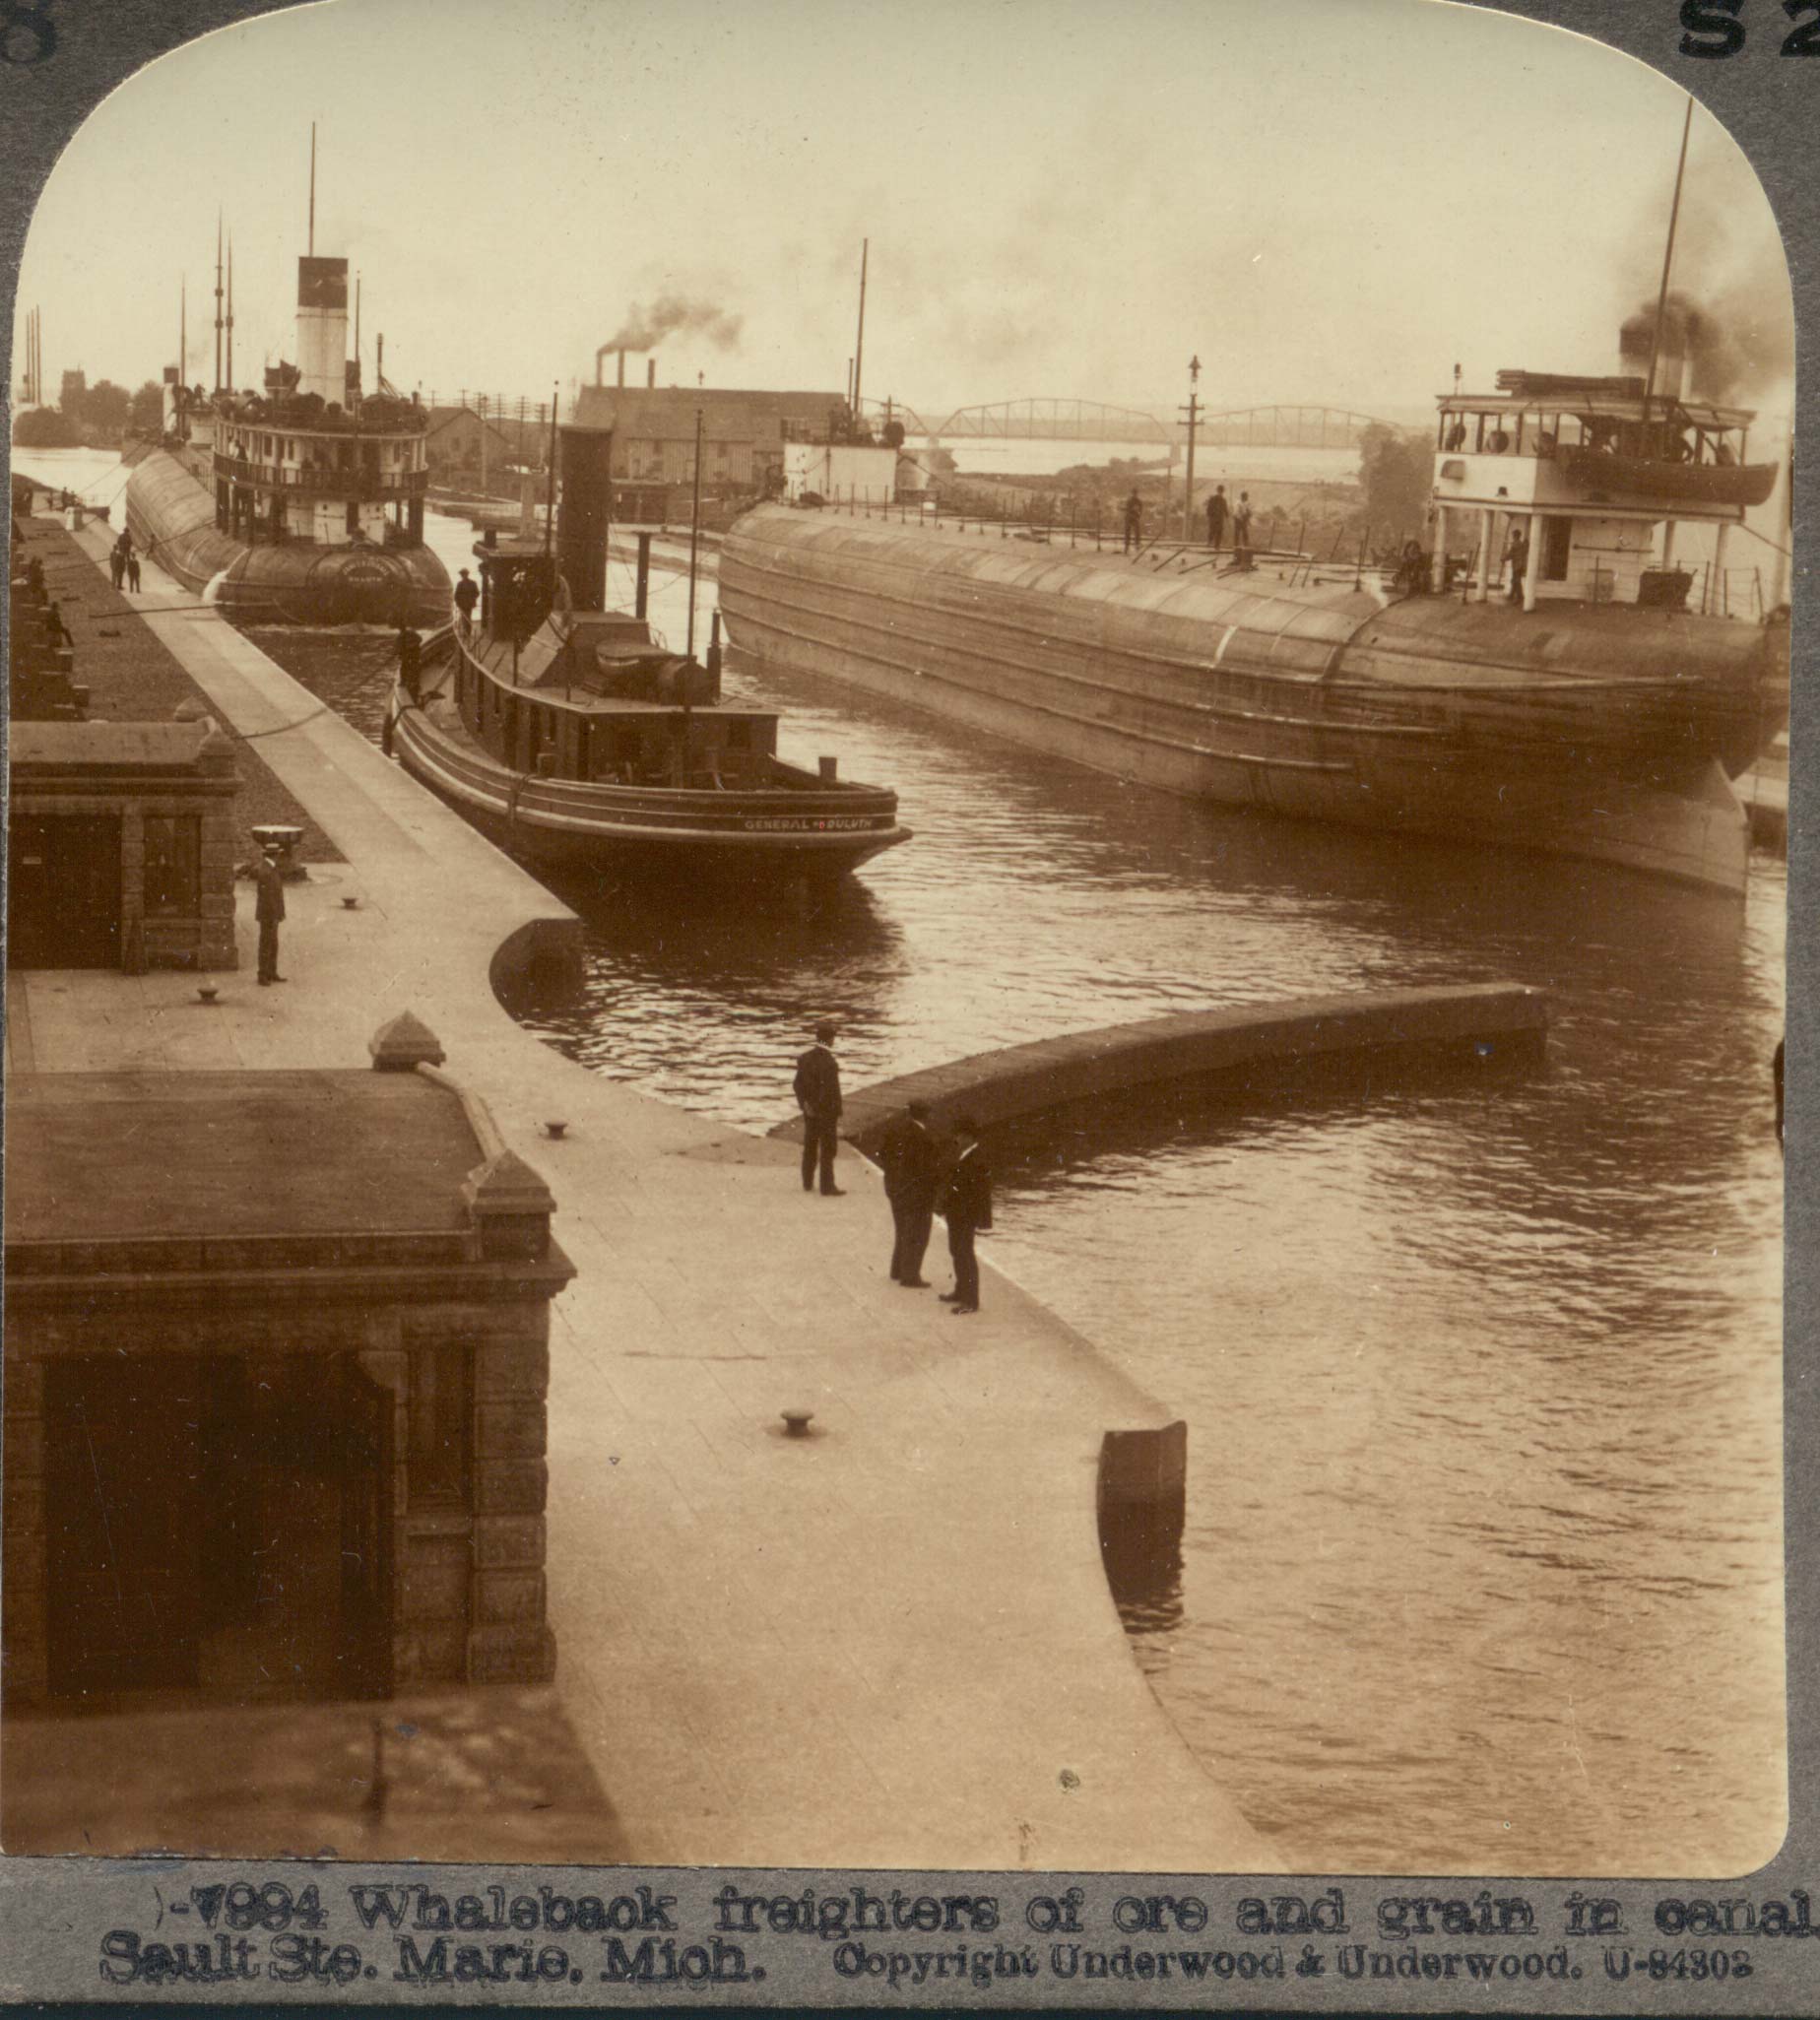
x=1281, y=426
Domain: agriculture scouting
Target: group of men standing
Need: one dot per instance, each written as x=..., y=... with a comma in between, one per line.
x=123, y=562
x=920, y=1180
x=1220, y=514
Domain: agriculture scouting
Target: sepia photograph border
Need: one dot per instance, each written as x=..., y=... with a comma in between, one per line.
x=55, y=1912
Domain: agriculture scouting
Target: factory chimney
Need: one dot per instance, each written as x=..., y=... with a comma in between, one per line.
x=622, y=369
x=651, y=372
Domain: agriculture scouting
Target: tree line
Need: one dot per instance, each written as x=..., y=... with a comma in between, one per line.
x=91, y=417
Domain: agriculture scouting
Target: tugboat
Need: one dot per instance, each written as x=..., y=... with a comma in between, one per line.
x=301, y=504
x=575, y=737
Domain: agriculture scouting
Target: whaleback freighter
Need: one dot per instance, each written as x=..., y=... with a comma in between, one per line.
x=298, y=505
x=1600, y=706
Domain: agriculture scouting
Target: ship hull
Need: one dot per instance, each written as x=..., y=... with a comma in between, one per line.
x=171, y=514
x=571, y=824
x=1612, y=739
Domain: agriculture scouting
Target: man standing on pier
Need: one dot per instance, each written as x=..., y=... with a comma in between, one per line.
x=1241, y=531
x=467, y=594
x=1217, y=509
x=269, y=910
x=966, y=1203
x=817, y=1093
x=907, y=1154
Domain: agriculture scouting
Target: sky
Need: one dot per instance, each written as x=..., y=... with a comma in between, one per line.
x=1326, y=201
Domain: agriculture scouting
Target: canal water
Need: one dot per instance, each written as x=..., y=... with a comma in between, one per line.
x=1482, y=1569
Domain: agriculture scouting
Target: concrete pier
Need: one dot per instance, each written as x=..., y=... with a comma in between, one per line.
x=889, y=1643
x=1483, y=1021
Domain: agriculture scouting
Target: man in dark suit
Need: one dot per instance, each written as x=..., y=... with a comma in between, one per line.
x=269, y=909
x=966, y=1203
x=817, y=1093
x=908, y=1153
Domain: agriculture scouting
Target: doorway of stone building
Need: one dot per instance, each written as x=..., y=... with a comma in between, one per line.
x=63, y=907
x=219, y=1530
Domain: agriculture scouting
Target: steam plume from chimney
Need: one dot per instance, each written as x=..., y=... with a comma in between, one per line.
x=645, y=328
x=1721, y=357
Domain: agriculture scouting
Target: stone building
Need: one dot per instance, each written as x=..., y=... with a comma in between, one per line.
x=120, y=845
x=275, y=1363
x=742, y=432
x=453, y=444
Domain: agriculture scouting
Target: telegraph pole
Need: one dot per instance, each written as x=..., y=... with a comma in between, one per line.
x=694, y=548
x=859, y=342
x=1191, y=415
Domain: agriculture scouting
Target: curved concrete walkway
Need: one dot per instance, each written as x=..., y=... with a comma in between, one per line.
x=1475, y=1020
x=891, y=1643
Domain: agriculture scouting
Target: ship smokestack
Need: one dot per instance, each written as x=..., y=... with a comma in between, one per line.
x=322, y=329
x=1681, y=323
x=621, y=368
x=651, y=372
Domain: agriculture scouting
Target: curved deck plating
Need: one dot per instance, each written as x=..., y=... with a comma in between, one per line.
x=171, y=515
x=1599, y=731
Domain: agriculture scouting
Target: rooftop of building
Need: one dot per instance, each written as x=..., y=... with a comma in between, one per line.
x=503, y=427
x=104, y=1157
x=115, y=747
x=668, y=412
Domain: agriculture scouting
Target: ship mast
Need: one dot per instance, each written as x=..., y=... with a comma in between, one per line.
x=1661, y=298
x=217, y=301
x=549, y=483
x=311, y=248
x=231, y=311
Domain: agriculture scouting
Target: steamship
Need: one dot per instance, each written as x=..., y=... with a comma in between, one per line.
x=301, y=504
x=1599, y=708
x=571, y=734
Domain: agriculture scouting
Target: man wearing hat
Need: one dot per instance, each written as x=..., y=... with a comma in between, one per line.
x=817, y=1093
x=269, y=909
x=907, y=1154
x=966, y=1203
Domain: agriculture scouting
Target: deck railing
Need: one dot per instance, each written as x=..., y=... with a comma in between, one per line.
x=361, y=482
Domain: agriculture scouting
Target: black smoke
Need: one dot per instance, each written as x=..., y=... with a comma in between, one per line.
x=669, y=315
x=1719, y=359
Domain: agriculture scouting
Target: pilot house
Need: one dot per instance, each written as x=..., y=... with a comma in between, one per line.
x=1597, y=477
